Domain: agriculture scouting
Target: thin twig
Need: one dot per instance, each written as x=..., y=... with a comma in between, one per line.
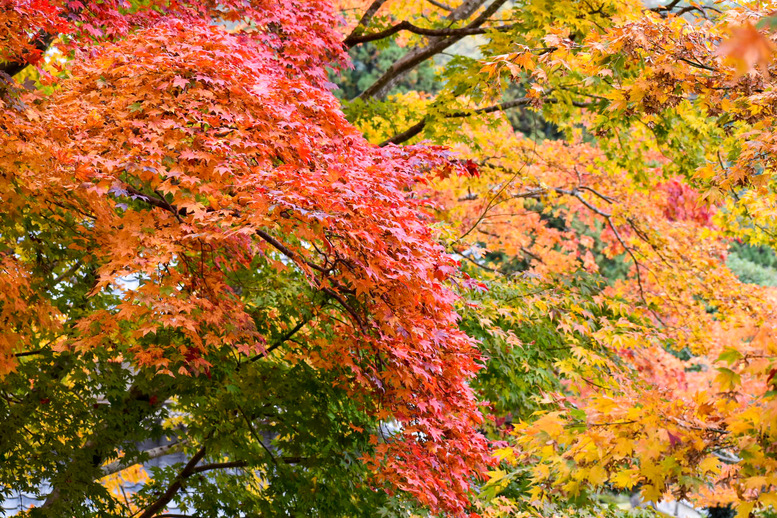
x=285, y=338
x=256, y=435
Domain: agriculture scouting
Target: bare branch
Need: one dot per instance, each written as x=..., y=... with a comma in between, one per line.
x=484, y=267
x=28, y=353
x=406, y=135
x=666, y=10
x=697, y=65
x=256, y=437
x=575, y=193
x=289, y=253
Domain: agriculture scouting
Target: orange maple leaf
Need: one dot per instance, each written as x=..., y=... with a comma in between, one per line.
x=747, y=48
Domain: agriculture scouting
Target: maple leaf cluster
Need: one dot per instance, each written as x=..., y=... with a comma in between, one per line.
x=200, y=242
x=180, y=157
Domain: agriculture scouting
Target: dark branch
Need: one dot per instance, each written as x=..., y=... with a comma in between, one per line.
x=697, y=65
x=436, y=45
x=28, y=353
x=280, y=342
x=406, y=135
x=134, y=408
x=163, y=204
x=416, y=128
x=153, y=453
x=153, y=200
x=366, y=18
x=256, y=437
x=68, y=273
x=440, y=5
x=169, y=494
x=483, y=266
x=576, y=194
x=220, y=465
x=356, y=39
x=359, y=320
x=41, y=42
x=288, y=253
x=665, y=8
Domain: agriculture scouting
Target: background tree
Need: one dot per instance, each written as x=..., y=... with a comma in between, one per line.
x=659, y=380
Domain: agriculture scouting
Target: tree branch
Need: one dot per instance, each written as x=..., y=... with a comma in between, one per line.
x=436, y=45
x=351, y=311
x=256, y=436
x=666, y=10
x=28, y=353
x=153, y=453
x=697, y=65
x=106, y=438
x=366, y=18
x=608, y=217
x=288, y=253
x=356, y=39
x=668, y=7
x=406, y=135
x=416, y=128
x=220, y=465
x=484, y=267
x=41, y=42
x=163, y=204
x=171, y=491
x=280, y=342
x=441, y=5
x=68, y=273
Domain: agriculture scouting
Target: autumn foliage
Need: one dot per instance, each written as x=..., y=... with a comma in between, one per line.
x=405, y=302
x=182, y=165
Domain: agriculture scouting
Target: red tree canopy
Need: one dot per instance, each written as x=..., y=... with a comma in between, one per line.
x=192, y=168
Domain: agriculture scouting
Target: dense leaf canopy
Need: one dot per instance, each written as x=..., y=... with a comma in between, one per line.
x=518, y=264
